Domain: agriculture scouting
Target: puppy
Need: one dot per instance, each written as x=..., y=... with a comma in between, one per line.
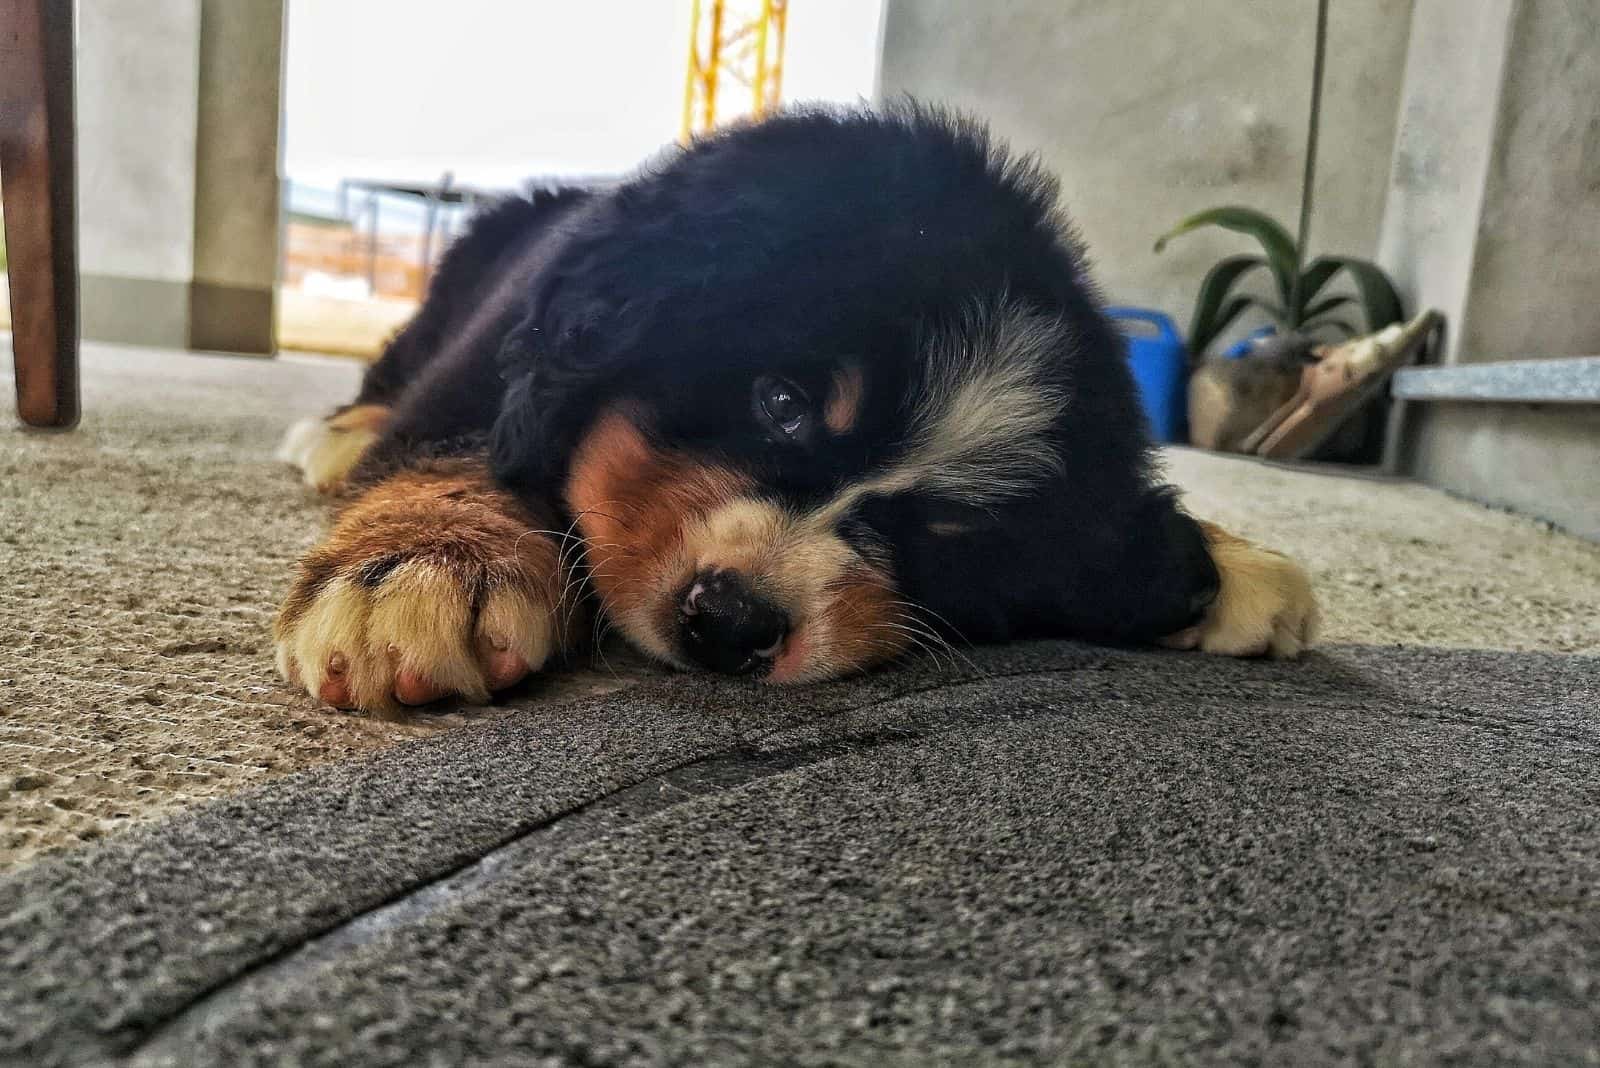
x=794, y=401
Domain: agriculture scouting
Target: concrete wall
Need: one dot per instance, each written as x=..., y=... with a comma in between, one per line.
x=1537, y=272
x=1443, y=146
x=178, y=162
x=1150, y=110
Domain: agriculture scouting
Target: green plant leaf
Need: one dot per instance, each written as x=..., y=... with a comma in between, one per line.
x=1323, y=307
x=1315, y=277
x=1378, y=296
x=1282, y=256
x=1209, y=320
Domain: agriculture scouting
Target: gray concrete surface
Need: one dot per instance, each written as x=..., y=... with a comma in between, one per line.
x=143, y=555
x=1568, y=380
x=1149, y=111
x=1397, y=563
x=1057, y=855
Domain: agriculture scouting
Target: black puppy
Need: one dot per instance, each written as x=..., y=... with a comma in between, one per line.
x=792, y=401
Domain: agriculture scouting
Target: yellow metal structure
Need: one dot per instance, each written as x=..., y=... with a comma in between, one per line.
x=735, y=62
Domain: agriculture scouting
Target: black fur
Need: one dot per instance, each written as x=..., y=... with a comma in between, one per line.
x=438, y=372
x=786, y=247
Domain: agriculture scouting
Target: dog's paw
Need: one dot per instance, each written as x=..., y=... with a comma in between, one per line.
x=326, y=450
x=428, y=587
x=413, y=637
x=1264, y=604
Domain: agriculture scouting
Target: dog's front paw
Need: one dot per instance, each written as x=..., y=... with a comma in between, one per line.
x=1264, y=604
x=327, y=450
x=429, y=586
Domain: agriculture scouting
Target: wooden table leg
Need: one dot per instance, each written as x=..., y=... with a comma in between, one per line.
x=38, y=175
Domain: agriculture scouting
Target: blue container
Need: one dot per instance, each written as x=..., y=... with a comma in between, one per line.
x=1160, y=367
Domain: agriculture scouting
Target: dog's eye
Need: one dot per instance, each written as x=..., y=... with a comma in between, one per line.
x=783, y=404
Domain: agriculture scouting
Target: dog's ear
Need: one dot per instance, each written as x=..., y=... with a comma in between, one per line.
x=549, y=385
x=515, y=453
x=559, y=362
x=603, y=300
x=553, y=357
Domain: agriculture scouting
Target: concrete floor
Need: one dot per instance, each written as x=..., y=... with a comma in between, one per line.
x=142, y=556
x=1398, y=563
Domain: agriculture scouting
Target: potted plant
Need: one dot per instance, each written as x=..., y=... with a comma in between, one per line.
x=1301, y=306
x=1227, y=399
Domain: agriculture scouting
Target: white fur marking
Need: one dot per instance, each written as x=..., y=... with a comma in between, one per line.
x=324, y=450
x=979, y=435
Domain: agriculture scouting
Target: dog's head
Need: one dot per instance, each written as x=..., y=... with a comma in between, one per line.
x=820, y=389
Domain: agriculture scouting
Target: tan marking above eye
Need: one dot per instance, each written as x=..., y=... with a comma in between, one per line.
x=843, y=406
x=950, y=530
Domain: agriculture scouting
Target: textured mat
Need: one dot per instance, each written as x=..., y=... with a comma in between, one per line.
x=1065, y=855
x=142, y=557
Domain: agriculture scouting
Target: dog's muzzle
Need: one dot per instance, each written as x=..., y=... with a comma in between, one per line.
x=726, y=626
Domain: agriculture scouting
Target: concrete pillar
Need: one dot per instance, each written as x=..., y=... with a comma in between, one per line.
x=236, y=207
x=178, y=153
x=1493, y=217
x=1449, y=121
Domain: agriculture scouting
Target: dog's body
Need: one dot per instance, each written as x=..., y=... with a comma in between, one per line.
x=795, y=400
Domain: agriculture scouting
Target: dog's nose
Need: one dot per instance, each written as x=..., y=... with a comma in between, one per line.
x=727, y=626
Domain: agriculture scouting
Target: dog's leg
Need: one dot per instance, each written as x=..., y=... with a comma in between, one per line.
x=327, y=449
x=433, y=583
x=1264, y=604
